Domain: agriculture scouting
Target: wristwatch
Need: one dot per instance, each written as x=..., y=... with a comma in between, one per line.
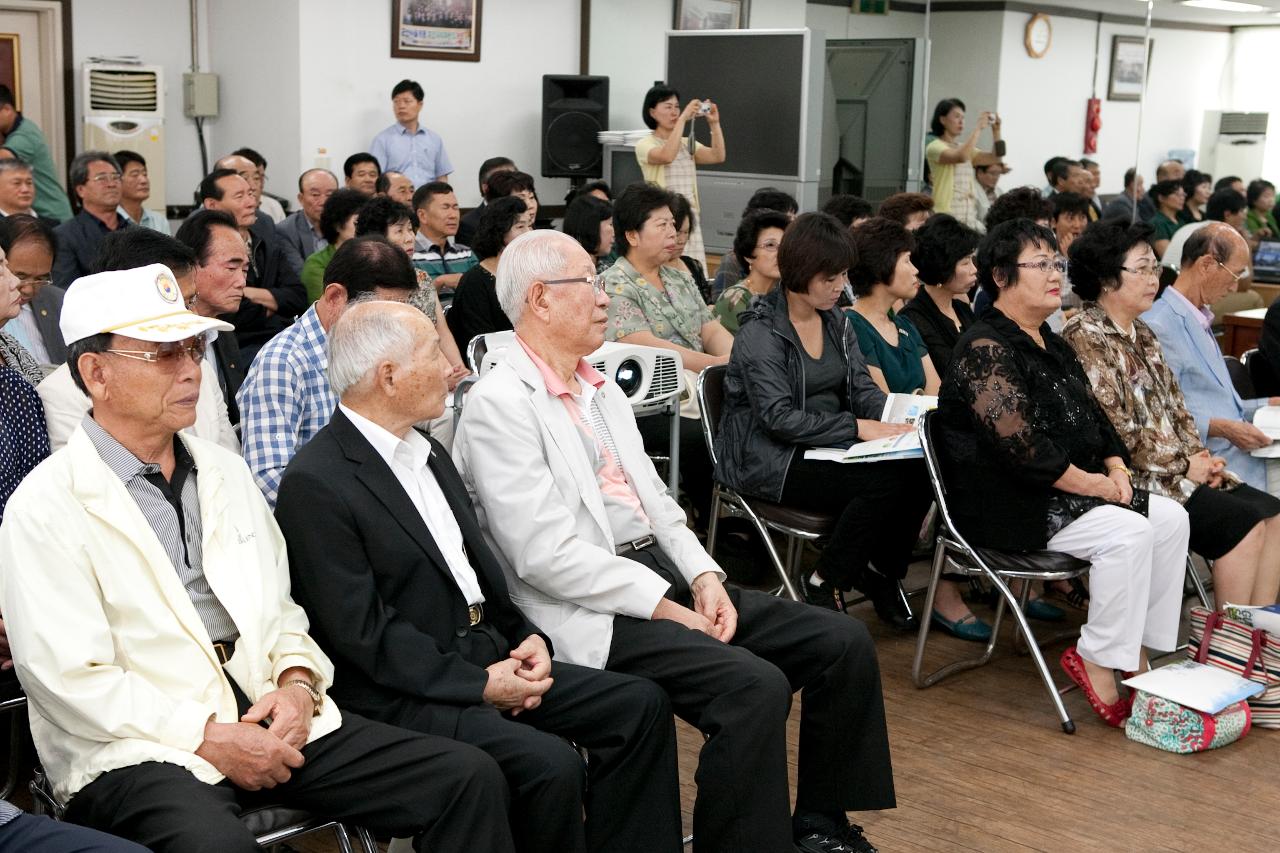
x=317, y=700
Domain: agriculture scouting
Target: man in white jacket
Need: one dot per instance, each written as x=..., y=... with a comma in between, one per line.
x=145, y=587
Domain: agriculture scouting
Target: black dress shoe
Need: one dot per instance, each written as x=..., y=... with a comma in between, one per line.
x=823, y=595
x=817, y=834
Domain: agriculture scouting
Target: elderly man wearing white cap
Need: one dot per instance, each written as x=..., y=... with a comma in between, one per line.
x=145, y=590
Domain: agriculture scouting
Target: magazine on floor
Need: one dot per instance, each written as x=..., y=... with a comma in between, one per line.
x=1197, y=685
x=898, y=409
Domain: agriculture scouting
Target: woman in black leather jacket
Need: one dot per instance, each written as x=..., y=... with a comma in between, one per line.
x=797, y=380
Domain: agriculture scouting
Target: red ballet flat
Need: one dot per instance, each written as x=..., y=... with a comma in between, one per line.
x=1114, y=714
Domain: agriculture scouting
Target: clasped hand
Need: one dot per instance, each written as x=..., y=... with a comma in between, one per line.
x=518, y=683
x=253, y=757
x=712, y=613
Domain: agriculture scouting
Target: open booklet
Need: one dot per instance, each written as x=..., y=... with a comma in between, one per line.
x=898, y=409
x=1267, y=419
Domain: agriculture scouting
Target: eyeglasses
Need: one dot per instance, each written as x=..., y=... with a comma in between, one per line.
x=1151, y=271
x=168, y=355
x=596, y=281
x=33, y=285
x=106, y=178
x=1235, y=275
x=768, y=246
x=1047, y=265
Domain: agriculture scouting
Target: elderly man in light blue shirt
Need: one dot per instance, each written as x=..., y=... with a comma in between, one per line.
x=408, y=147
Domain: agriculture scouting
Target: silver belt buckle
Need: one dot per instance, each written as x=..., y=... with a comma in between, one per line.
x=641, y=543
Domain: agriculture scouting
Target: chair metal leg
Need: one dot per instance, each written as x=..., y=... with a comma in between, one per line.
x=344, y=840
x=1197, y=583
x=1042, y=668
x=926, y=620
x=368, y=844
x=778, y=564
x=713, y=524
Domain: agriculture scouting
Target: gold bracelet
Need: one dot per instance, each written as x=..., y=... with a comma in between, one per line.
x=1124, y=468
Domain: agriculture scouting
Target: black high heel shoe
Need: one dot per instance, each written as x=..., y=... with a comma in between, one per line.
x=888, y=601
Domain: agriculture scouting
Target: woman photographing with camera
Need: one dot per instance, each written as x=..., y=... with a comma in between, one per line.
x=669, y=160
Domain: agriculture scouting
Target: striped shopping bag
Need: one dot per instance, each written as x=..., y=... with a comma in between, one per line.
x=1249, y=652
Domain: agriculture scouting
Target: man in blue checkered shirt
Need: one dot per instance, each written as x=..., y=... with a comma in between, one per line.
x=285, y=399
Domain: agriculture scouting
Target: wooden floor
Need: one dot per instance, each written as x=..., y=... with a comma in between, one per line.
x=981, y=764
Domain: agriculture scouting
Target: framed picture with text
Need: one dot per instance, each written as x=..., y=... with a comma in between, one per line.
x=1130, y=59
x=11, y=66
x=711, y=14
x=436, y=29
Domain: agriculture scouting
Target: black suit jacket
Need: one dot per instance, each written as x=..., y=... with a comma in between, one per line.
x=226, y=350
x=377, y=589
x=270, y=270
x=47, y=307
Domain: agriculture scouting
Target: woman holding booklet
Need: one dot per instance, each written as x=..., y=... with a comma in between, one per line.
x=1232, y=523
x=797, y=380
x=1032, y=463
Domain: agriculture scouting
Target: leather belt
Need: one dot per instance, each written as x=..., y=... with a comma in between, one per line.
x=636, y=544
x=475, y=614
x=224, y=651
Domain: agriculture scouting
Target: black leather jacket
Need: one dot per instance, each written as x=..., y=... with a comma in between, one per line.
x=764, y=421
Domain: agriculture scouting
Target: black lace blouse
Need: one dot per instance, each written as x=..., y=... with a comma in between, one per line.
x=1011, y=418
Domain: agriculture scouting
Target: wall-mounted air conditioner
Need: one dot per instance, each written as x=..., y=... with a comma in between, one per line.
x=124, y=109
x=1233, y=143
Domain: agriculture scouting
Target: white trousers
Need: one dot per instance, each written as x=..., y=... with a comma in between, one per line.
x=1135, y=579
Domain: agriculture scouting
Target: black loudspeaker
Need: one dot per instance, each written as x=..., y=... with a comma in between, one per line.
x=575, y=108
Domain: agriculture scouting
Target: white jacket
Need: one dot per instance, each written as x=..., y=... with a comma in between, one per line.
x=117, y=666
x=539, y=501
x=65, y=406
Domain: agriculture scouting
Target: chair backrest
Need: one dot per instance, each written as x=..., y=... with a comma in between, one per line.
x=475, y=352
x=711, y=404
x=925, y=426
x=1240, y=377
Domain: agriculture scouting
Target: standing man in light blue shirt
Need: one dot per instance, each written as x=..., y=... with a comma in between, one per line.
x=408, y=147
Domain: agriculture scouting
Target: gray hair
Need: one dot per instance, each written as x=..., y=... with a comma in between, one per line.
x=79, y=171
x=366, y=335
x=14, y=164
x=531, y=256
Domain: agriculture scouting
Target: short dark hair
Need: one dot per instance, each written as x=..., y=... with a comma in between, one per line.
x=848, y=208
x=196, y=233
x=124, y=157
x=941, y=243
x=504, y=184
x=1086, y=162
x=1129, y=175
x=496, y=219
x=771, y=198
x=1069, y=204
x=999, y=250
x=379, y=213
x=1206, y=241
x=383, y=184
x=410, y=86
x=814, y=244
x=592, y=186
x=1194, y=178
x=880, y=243
x=365, y=263
x=1019, y=203
x=422, y=195
x=656, y=95
x=488, y=167
x=1164, y=189
x=744, y=241
x=900, y=206
x=1097, y=255
x=632, y=209
x=209, y=188
x=1051, y=164
x=682, y=210
x=130, y=248
x=79, y=171
x=1062, y=169
x=582, y=220
x=1256, y=188
x=349, y=165
x=23, y=227
x=338, y=208
x=1226, y=182
x=100, y=342
x=945, y=106
x=6, y=97
x=252, y=156
x=1222, y=202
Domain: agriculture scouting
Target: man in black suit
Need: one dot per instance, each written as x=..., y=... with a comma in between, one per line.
x=388, y=559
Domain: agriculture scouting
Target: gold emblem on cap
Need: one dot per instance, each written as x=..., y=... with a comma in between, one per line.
x=167, y=287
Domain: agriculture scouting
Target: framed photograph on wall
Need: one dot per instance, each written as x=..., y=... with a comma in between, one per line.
x=11, y=66
x=1130, y=60
x=711, y=14
x=436, y=29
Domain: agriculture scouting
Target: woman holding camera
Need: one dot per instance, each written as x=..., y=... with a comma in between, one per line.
x=951, y=161
x=666, y=159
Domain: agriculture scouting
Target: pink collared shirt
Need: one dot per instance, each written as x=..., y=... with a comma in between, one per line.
x=1204, y=315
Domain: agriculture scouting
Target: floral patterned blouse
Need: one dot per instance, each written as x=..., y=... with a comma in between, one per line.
x=424, y=298
x=735, y=299
x=675, y=314
x=1135, y=387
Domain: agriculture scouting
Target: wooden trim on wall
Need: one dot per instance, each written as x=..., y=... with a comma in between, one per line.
x=584, y=38
x=68, y=91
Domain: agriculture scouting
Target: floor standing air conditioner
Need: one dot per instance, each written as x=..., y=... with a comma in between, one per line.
x=1233, y=144
x=124, y=109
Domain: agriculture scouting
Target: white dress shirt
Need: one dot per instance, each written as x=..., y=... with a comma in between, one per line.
x=408, y=460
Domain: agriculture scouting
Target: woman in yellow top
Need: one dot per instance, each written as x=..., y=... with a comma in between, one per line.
x=668, y=160
x=951, y=161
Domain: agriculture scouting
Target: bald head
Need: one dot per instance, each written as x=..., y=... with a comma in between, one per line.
x=1170, y=170
x=245, y=168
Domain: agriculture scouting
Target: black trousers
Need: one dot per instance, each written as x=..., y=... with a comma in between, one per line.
x=695, y=463
x=27, y=833
x=387, y=779
x=882, y=507
x=739, y=695
x=632, y=793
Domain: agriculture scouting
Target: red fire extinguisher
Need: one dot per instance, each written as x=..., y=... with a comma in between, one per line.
x=1092, y=124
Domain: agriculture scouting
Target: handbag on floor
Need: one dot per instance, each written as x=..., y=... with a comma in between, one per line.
x=1167, y=725
x=1248, y=652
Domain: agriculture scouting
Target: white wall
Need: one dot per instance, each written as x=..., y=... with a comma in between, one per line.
x=1252, y=49
x=839, y=23
x=965, y=63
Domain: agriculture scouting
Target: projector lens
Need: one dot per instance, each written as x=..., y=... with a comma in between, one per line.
x=628, y=376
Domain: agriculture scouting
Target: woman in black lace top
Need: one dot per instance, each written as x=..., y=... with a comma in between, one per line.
x=1033, y=463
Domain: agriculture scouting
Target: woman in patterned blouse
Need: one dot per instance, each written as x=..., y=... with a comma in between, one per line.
x=1232, y=523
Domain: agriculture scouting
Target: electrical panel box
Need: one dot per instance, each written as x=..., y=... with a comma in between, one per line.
x=200, y=95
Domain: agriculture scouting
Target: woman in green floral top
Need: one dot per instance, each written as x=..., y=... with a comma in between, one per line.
x=1233, y=524
x=756, y=248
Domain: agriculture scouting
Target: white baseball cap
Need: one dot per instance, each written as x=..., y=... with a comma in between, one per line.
x=143, y=303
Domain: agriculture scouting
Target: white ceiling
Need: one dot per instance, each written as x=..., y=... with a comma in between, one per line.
x=1169, y=10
